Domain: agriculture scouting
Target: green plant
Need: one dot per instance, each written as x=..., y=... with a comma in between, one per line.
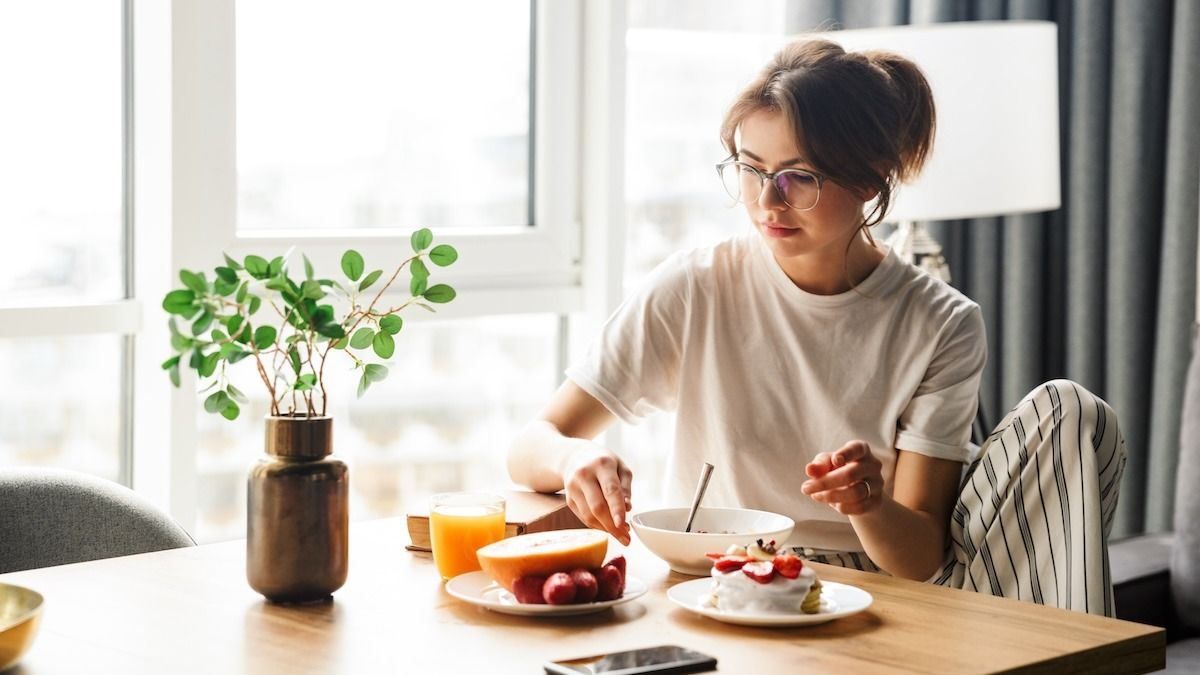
x=290, y=344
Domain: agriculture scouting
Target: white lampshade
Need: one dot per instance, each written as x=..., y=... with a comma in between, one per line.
x=995, y=85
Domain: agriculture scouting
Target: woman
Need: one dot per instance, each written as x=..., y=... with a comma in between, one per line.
x=829, y=380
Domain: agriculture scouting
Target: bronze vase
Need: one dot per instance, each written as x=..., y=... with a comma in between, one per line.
x=297, y=539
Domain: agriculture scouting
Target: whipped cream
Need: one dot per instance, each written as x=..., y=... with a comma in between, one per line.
x=733, y=591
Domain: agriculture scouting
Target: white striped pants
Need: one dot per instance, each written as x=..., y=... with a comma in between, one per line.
x=1035, y=510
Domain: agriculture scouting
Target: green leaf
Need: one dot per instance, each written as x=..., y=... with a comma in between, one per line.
x=242, y=291
x=210, y=364
x=169, y=363
x=308, y=268
x=255, y=303
x=224, y=288
x=237, y=395
x=233, y=264
x=294, y=357
x=174, y=373
x=371, y=278
x=305, y=382
x=226, y=274
x=339, y=343
x=375, y=372
x=276, y=266
x=443, y=255
x=352, y=264
x=418, y=285
x=441, y=293
x=371, y=373
x=230, y=412
x=425, y=307
x=391, y=324
x=202, y=323
x=421, y=239
x=231, y=351
x=216, y=401
x=195, y=282
x=264, y=337
x=258, y=267
x=332, y=331
x=236, y=356
x=312, y=290
x=197, y=359
x=181, y=343
x=321, y=314
x=419, y=269
x=179, y=302
x=362, y=338
x=234, y=325
x=219, y=336
x=384, y=345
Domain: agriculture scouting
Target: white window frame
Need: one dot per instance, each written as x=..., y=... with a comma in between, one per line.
x=569, y=262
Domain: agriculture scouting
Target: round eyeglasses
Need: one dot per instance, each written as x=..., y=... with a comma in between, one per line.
x=799, y=189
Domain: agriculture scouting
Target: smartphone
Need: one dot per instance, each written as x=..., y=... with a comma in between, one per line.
x=660, y=660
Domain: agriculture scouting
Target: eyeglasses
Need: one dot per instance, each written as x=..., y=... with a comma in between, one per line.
x=799, y=189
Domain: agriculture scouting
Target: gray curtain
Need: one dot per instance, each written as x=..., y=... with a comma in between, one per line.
x=1101, y=291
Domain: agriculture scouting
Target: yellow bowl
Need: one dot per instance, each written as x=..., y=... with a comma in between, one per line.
x=20, y=613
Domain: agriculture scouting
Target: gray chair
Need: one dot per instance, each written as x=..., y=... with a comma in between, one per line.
x=54, y=517
x=1156, y=578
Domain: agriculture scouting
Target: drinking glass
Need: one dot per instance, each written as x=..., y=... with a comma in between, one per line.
x=460, y=523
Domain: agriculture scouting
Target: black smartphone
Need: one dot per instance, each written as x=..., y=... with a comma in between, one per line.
x=660, y=660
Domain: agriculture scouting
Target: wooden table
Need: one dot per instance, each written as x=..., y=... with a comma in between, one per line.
x=190, y=610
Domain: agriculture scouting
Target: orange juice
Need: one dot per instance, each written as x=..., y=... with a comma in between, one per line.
x=457, y=530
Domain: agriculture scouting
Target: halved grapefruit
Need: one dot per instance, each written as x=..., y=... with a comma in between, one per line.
x=542, y=554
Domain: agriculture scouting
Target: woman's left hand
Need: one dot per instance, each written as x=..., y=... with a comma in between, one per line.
x=849, y=479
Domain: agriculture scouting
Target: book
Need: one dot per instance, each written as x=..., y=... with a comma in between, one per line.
x=524, y=512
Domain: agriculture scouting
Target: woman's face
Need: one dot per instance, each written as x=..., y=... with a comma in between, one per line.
x=767, y=143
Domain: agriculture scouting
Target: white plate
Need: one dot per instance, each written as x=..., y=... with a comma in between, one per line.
x=478, y=588
x=837, y=600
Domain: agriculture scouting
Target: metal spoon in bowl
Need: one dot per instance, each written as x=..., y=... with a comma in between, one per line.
x=705, y=474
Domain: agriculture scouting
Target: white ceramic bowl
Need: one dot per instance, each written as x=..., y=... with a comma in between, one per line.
x=662, y=532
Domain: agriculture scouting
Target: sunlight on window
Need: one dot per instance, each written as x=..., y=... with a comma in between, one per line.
x=62, y=407
x=457, y=394
x=383, y=114
x=60, y=151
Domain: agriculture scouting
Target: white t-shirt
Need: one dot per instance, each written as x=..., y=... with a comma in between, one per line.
x=763, y=375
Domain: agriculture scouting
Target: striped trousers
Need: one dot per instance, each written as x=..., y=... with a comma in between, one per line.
x=1035, y=509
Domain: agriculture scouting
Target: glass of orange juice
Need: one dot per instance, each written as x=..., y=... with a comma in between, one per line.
x=461, y=523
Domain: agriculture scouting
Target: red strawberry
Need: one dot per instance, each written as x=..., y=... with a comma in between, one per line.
x=788, y=565
x=610, y=584
x=731, y=562
x=586, y=586
x=762, y=572
x=714, y=556
x=559, y=589
x=619, y=563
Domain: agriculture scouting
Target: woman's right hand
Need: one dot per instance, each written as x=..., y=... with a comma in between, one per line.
x=597, y=485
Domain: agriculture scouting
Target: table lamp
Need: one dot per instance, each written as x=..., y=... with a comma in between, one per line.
x=995, y=85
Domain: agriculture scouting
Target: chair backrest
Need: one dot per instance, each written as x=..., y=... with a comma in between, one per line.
x=54, y=517
x=1185, y=556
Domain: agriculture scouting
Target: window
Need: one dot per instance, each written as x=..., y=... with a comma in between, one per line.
x=63, y=266
x=391, y=123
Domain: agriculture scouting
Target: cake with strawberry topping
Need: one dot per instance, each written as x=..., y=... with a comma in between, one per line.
x=760, y=578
